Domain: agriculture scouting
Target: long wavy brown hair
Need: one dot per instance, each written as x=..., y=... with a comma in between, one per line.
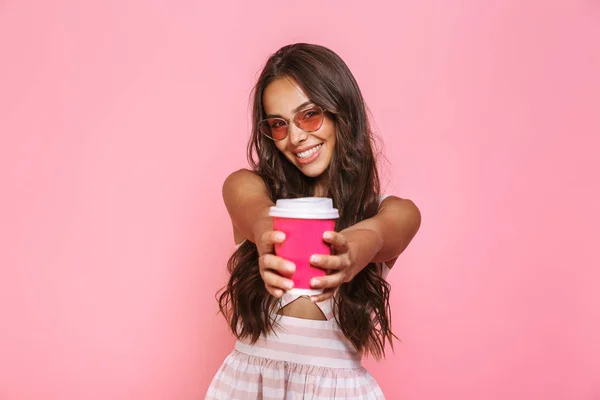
x=361, y=307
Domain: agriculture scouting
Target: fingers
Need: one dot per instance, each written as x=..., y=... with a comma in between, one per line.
x=275, y=284
x=339, y=258
x=330, y=262
x=337, y=241
x=276, y=281
x=273, y=291
x=275, y=272
x=267, y=241
x=331, y=281
x=276, y=264
x=326, y=295
x=339, y=264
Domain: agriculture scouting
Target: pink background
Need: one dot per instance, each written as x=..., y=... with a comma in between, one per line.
x=119, y=121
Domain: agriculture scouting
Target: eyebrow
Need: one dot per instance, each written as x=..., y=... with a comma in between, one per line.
x=295, y=110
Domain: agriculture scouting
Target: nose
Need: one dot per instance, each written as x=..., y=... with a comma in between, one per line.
x=297, y=135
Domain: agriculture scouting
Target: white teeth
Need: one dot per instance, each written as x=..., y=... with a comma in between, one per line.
x=308, y=153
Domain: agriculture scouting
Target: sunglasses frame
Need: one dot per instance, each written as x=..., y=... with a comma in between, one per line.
x=293, y=120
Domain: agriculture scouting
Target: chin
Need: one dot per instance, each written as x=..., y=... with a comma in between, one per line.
x=312, y=171
x=313, y=174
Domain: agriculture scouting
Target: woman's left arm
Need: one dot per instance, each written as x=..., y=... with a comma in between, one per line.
x=381, y=239
x=396, y=223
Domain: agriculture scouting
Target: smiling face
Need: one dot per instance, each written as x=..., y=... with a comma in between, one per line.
x=310, y=152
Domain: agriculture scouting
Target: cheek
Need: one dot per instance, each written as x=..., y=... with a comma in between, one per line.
x=280, y=146
x=329, y=133
x=330, y=137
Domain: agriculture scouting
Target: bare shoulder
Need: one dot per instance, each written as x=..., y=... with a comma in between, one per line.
x=399, y=206
x=243, y=180
x=242, y=176
x=396, y=200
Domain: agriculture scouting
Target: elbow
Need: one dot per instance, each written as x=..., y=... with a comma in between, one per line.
x=410, y=221
x=415, y=216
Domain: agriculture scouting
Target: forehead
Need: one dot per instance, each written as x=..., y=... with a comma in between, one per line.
x=282, y=96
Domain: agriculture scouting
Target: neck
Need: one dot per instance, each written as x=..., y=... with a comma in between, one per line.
x=322, y=185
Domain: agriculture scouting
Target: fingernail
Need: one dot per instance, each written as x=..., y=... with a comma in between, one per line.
x=313, y=299
x=315, y=259
x=327, y=235
x=280, y=236
x=290, y=266
x=289, y=285
x=314, y=282
x=278, y=293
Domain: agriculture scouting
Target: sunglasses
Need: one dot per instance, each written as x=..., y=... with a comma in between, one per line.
x=309, y=120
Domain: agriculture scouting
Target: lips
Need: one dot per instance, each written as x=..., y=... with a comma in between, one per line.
x=308, y=152
x=308, y=155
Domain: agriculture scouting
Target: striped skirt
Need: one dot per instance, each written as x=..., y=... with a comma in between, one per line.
x=301, y=359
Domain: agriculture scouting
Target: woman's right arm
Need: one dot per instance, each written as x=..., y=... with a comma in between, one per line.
x=247, y=201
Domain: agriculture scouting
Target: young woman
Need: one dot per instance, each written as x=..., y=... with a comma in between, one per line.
x=310, y=137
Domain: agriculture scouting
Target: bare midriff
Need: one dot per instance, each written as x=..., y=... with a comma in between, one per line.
x=303, y=308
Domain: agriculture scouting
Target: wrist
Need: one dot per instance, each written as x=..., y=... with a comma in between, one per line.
x=364, y=244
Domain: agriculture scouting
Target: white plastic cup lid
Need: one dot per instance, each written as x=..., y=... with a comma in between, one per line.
x=305, y=208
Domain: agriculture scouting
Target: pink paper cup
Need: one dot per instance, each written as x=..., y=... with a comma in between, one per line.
x=303, y=220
